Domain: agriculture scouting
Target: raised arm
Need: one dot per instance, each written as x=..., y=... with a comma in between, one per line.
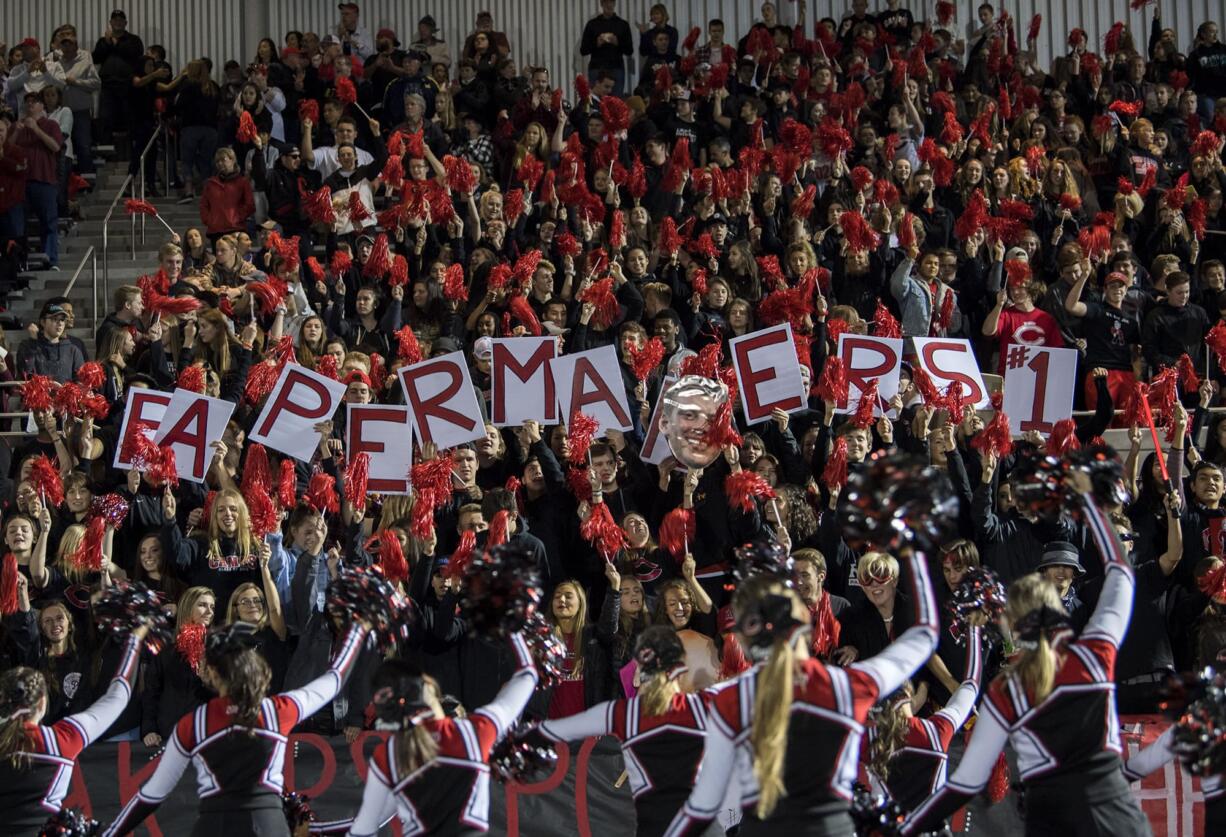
x=596, y=721
x=902, y=657
x=962, y=701
x=378, y=805
x=1110, y=618
x=968, y=780
x=511, y=699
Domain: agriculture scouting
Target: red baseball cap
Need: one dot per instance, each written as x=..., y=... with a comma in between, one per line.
x=389, y=34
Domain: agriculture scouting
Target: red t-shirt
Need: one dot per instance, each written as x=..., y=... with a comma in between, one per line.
x=1033, y=328
x=41, y=159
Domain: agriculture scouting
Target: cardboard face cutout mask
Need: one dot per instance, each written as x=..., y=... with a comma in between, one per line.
x=689, y=411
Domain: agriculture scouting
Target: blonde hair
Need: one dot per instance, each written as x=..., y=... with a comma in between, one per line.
x=772, y=704
x=580, y=622
x=187, y=603
x=69, y=541
x=242, y=535
x=232, y=606
x=889, y=732
x=876, y=564
x=1035, y=668
x=657, y=693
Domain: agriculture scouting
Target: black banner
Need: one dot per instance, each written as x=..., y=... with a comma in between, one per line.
x=578, y=798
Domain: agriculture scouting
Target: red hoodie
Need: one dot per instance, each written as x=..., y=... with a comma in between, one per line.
x=226, y=204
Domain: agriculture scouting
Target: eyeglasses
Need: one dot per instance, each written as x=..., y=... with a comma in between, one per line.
x=251, y=602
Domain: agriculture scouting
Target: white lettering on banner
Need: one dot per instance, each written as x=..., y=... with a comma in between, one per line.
x=191, y=423
x=144, y=405
x=385, y=433
x=440, y=394
x=300, y=399
x=1039, y=384
x=947, y=360
x=521, y=381
x=768, y=373
x=591, y=383
x=867, y=359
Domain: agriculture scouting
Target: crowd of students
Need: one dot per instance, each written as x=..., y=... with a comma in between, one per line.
x=897, y=172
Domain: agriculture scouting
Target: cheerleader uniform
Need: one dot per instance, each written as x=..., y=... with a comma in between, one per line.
x=450, y=795
x=917, y=770
x=661, y=752
x=829, y=708
x=1157, y=755
x=238, y=775
x=32, y=792
x=1068, y=745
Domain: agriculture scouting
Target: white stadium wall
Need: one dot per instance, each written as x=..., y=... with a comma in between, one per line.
x=540, y=31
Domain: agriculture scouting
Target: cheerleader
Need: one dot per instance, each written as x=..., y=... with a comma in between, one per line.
x=661, y=730
x=1056, y=706
x=36, y=761
x=787, y=732
x=1157, y=755
x=237, y=741
x=908, y=754
x=434, y=771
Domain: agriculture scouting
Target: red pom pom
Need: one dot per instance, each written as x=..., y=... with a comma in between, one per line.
x=602, y=531
x=600, y=294
x=513, y=206
x=677, y=532
x=189, y=642
x=670, y=239
x=407, y=347
x=463, y=555
x=995, y=438
x=998, y=783
x=722, y=432
x=346, y=93
x=138, y=207
x=287, y=484
x=691, y=39
x=454, y=288
x=318, y=205
x=500, y=530
x=321, y=493
x=1063, y=438
x=583, y=89
x=8, y=585
x=192, y=379
x=644, y=360
x=1188, y=378
x=802, y=204
x=832, y=385
x=47, y=482
x=579, y=435
x=859, y=236
x=91, y=375
x=164, y=472
x=834, y=475
x=88, y=554
x=832, y=138
x=744, y=487
x=530, y=172
x=519, y=308
x=1212, y=583
x=867, y=405
x=247, y=131
x=1033, y=31
x=308, y=109
x=616, y=115
x=357, y=477
x=460, y=177
x=884, y=323
x=393, y=172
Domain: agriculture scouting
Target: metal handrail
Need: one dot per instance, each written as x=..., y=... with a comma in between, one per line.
x=106, y=226
x=90, y=253
x=140, y=169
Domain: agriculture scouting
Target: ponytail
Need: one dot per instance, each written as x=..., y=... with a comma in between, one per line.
x=1036, y=669
x=415, y=747
x=1036, y=614
x=21, y=689
x=889, y=735
x=247, y=678
x=656, y=695
x=772, y=707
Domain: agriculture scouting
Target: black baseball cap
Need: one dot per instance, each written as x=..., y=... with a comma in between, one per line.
x=119, y=13
x=53, y=309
